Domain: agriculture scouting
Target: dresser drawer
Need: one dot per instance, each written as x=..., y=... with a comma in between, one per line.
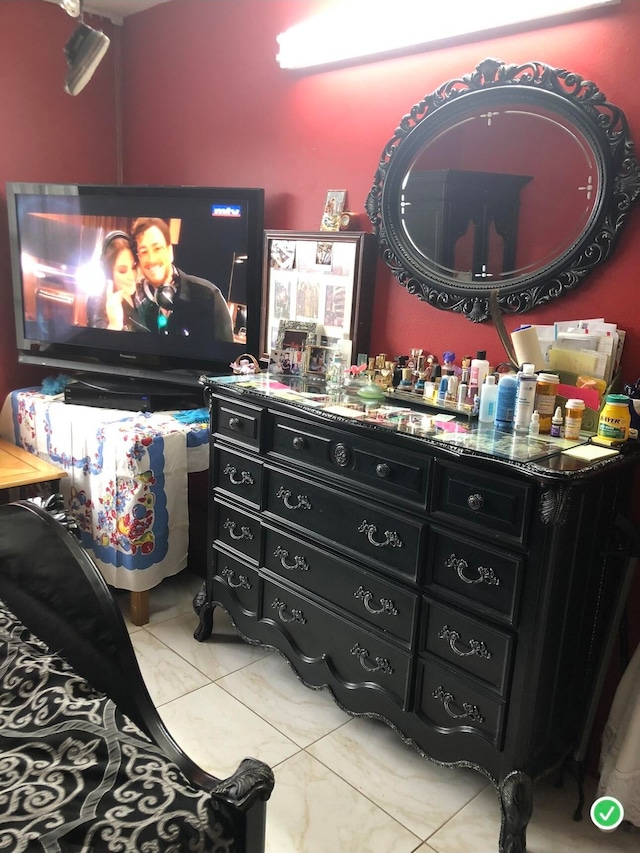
x=236, y=530
x=354, y=657
x=495, y=507
x=385, y=606
x=452, y=704
x=390, y=471
x=478, y=577
x=468, y=644
x=237, y=475
x=239, y=422
x=391, y=541
x=235, y=583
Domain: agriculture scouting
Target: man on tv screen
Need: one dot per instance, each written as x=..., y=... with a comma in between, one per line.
x=170, y=301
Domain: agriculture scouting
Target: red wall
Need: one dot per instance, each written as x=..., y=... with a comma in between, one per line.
x=226, y=113
x=46, y=134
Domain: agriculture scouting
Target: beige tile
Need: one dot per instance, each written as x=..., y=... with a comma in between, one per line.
x=222, y=653
x=273, y=690
x=312, y=810
x=165, y=673
x=217, y=731
x=551, y=830
x=414, y=791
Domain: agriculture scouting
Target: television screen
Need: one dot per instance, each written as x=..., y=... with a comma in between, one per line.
x=160, y=282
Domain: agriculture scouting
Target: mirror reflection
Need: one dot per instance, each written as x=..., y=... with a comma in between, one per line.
x=514, y=179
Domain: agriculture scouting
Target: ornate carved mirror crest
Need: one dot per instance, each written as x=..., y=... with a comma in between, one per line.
x=511, y=183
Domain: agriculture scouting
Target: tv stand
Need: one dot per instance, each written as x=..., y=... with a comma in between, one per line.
x=131, y=393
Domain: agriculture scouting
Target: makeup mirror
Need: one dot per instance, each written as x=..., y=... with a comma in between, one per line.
x=508, y=185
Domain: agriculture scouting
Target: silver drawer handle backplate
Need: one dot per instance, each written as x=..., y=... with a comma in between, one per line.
x=470, y=711
x=285, y=495
x=243, y=581
x=244, y=478
x=287, y=616
x=391, y=538
x=386, y=604
x=476, y=647
x=382, y=664
x=245, y=532
x=298, y=562
x=485, y=575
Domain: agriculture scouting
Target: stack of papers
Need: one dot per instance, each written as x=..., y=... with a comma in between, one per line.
x=591, y=348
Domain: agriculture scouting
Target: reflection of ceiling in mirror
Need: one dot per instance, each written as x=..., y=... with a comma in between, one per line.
x=555, y=205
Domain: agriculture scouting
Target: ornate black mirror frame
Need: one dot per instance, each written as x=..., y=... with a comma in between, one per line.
x=603, y=131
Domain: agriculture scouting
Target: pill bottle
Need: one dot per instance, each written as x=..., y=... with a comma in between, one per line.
x=615, y=418
x=573, y=412
x=545, y=404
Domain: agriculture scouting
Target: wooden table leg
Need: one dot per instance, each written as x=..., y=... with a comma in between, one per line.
x=140, y=607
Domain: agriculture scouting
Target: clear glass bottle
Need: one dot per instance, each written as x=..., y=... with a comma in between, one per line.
x=334, y=377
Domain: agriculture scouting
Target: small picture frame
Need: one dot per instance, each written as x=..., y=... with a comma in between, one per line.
x=294, y=334
x=316, y=360
x=313, y=278
x=333, y=208
x=286, y=362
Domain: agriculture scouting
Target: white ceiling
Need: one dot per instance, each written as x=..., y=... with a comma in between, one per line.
x=116, y=10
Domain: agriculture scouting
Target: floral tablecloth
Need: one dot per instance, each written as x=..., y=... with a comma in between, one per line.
x=127, y=479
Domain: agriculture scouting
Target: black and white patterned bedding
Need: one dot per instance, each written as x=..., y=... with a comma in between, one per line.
x=77, y=775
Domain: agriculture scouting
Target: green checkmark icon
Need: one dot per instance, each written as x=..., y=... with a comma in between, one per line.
x=607, y=813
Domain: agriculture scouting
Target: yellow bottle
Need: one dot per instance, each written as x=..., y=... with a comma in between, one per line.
x=615, y=418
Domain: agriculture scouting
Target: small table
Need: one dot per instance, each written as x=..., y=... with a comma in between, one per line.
x=126, y=483
x=20, y=468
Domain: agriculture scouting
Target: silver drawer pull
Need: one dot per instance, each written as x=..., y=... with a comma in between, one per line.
x=243, y=581
x=382, y=664
x=245, y=532
x=234, y=424
x=485, y=575
x=285, y=616
x=298, y=562
x=244, y=478
x=298, y=442
x=285, y=494
x=391, y=538
x=382, y=470
x=386, y=605
x=475, y=502
x=470, y=711
x=476, y=647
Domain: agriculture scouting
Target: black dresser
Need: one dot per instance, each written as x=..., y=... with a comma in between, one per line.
x=457, y=583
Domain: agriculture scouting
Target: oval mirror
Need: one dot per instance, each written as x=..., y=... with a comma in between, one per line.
x=503, y=189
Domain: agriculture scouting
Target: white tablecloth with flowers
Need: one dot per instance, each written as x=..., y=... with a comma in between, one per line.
x=127, y=479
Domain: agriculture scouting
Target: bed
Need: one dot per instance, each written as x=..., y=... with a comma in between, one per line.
x=86, y=763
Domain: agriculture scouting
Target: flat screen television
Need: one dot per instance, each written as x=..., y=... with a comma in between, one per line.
x=72, y=309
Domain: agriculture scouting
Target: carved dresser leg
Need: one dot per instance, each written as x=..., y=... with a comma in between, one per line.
x=516, y=799
x=204, y=610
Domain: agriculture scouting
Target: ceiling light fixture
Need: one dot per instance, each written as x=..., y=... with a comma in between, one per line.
x=355, y=29
x=84, y=50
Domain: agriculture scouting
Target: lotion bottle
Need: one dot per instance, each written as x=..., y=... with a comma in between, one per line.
x=488, y=399
x=506, y=402
x=525, y=398
x=478, y=371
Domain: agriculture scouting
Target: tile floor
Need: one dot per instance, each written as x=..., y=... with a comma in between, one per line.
x=343, y=784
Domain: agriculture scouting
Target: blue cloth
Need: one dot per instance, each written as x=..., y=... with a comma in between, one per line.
x=192, y=416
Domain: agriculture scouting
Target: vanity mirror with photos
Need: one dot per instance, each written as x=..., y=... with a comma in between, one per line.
x=514, y=180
